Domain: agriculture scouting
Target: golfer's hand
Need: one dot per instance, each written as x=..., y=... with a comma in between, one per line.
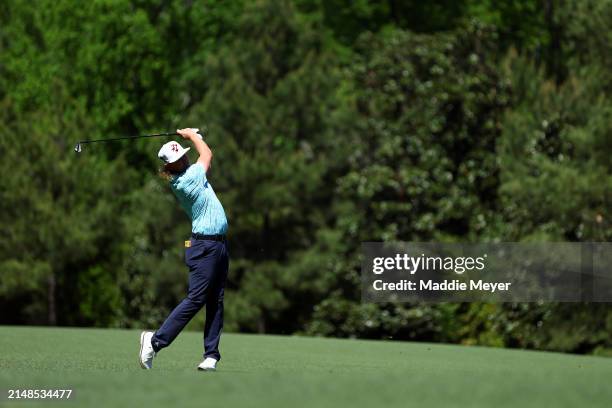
x=189, y=133
x=199, y=144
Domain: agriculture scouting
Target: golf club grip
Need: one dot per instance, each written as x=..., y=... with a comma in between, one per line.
x=168, y=134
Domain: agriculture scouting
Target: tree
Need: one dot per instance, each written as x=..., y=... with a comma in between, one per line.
x=268, y=97
x=421, y=164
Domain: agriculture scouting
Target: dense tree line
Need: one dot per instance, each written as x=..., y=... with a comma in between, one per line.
x=332, y=122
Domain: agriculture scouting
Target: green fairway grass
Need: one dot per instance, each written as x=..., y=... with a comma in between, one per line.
x=101, y=366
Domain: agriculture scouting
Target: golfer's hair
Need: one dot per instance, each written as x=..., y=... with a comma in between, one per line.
x=166, y=174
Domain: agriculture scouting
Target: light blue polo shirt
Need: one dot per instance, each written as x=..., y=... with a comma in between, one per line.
x=198, y=199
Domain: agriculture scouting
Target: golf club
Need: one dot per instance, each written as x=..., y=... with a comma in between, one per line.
x=78, y=148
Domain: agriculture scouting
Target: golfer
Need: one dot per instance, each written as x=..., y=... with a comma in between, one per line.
x=206, y=252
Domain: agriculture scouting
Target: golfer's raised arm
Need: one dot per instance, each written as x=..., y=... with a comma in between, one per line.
x=200, y=145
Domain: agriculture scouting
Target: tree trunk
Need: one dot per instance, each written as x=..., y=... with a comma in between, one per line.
x=51, y=316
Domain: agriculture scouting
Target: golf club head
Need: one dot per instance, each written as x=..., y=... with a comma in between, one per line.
x=78, y=148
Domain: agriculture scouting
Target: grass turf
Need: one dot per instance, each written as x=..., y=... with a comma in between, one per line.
x=101, y=366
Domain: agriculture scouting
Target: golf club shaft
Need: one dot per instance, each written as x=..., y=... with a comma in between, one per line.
x=128, y=137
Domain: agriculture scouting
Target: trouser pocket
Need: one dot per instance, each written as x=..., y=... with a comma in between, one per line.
x=195, y=254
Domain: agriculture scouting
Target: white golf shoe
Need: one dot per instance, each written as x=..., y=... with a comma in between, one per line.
x=209, y=364
x=146, y=350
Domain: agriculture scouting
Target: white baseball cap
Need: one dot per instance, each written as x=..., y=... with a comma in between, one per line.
x=171, y=152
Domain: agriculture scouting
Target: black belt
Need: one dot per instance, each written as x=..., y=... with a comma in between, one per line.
x=220, y=238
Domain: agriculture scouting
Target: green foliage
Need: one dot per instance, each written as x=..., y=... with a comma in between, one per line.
x=421, y=165
x=268, y=94
x=332, y=123
x=427, y=115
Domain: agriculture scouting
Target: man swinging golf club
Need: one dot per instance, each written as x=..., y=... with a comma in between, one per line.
x=206, y=252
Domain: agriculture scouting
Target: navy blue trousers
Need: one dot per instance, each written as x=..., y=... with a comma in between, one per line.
x=208, y=263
